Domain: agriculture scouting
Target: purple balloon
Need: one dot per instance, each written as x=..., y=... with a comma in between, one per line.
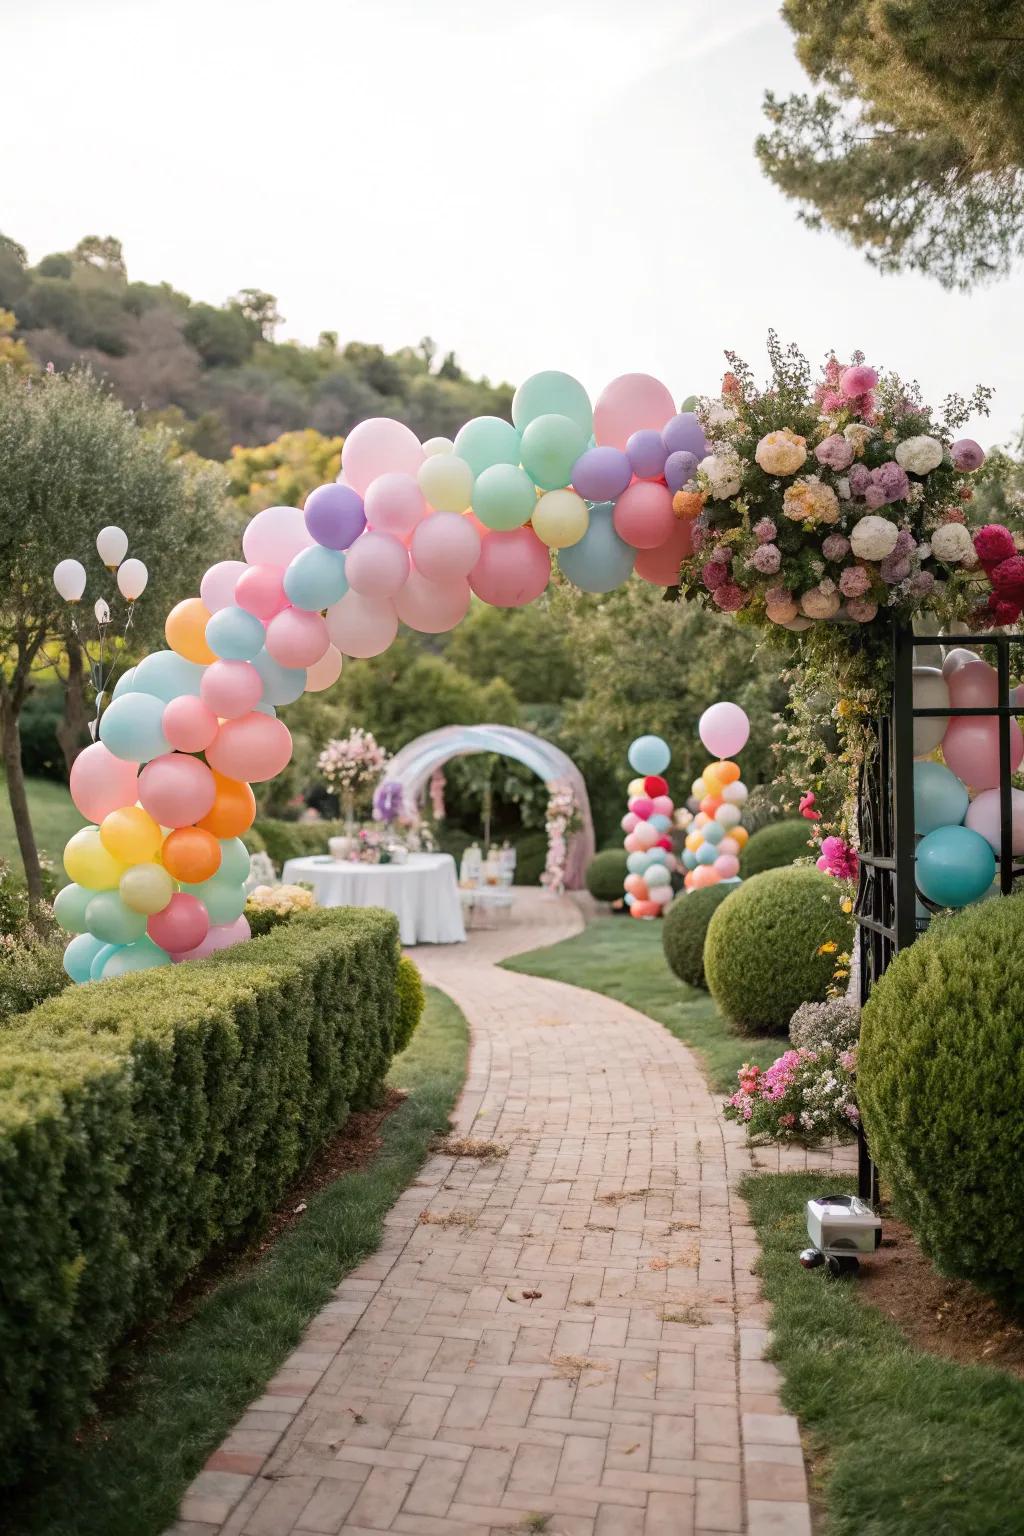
x=601, y=474
x=647, y=453
x=684, y=434
x=679, y=468
x=334, y=515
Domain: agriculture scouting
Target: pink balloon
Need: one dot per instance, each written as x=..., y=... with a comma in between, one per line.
x=101, y=782
x=376, y=447
x=705, y=874
x=394, y=504
x=646, y=836
x=260, y=591
x=254, y=747
x=297, y=638
x=182, y=924
x=984, y=816
x=662, y=805
x=958, y=657
x=228, y=689
x=629, y=821
x=729, y=845
x=627, y=405
x=643, y=515
x=513, y=569
x=217, y=588
x=325, y=671
x=177, y=790
x=220, y=936
x=362, y=626
x=275, y=536
x=660, y=566
x=630, y=843
x=971, y=749
x=445, y=545
x=433, y=607
x=377, y=565
x=188, y=723
x=642, y=806
x=728, y=865
x=975, y=685
x=724, y=729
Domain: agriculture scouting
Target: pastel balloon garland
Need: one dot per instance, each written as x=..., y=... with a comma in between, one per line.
x=716, y=837
x=650, y=863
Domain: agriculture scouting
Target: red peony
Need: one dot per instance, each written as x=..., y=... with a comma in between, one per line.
x=1008, y=579
x=993, y=544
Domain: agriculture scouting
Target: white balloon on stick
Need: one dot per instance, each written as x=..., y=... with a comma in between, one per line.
x=132, y=577
x=101, y=609
x=69, y=579
x=111, y=546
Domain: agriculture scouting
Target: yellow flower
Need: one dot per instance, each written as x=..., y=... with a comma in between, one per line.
x=829, y=948
x=846, y=905
x=811, y=501
x=781, y=453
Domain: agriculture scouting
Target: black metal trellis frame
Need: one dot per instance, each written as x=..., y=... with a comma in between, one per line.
x=888, y=900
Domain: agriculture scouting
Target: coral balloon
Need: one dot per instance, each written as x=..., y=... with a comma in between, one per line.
x=645, y=909
x=185, y=628
x=445, y=545
x=362, y=626
x=177, y=790
x=254, y=745
x=275, y=536
x=970, y=747
x=183, y=924
x=217, y=588
x=187, y=723
x=101, y=782
x=234, y=808
x=636, y=885
x=296, y=638
x=627, y=405
x=513, y=569
x=645, y=836
x=191, y=854
x=660, y=565
x=975, y=685
x=643, y=515
x=130, y=835
x=325, y=672
x=229, y=688
x=376, y=447
x=377, y=565
x=432, y=607
x=260, y=591
x=395, y=504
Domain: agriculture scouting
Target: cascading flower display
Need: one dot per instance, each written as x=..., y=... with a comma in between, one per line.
x=561, y=820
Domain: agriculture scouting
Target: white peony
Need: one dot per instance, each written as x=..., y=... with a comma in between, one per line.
x=951, y=543
x=918, y=455
x=843, y=489
x=721, y=415
x=724, y=473
x=873, y=538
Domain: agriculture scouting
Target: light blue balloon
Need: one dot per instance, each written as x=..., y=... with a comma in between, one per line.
x=109, y=919
x=707, y=853
x=80, y=954
x=713, y=832
x=316, y=578
x=224, y=899
x=143, y=955
x=266, y=709
x=658, y=875
x=281, y=685
x=552, y=392
x=636, y=863
x=656, y=856
x=131, y=727
x=100, y=959
x=629, y=898
x=955, y=866
x=235, y=635
x=689, y=859
x=69, y=907
x=600, y=561
x=663, y=823
x=940, y=798
x=167, y=675
x=234, y=861
x=487, y=440
x=125, y=683
x=649, y=754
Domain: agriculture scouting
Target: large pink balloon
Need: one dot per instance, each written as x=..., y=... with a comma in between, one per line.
x=643, y=515
x=275, y=536
x=101, y=782
x=188, y=723
x=377, y=447
x=513, y=569
x=260, y=591
x=984, y=815
x=974, y=685
x=627, y=405
x=433, y=607
x=394, y=504
x=177, y=790
x=182, y=924
x=220, y=936
x=377, y=565
x=971, y=749
x=728, y=865
x=445, y=545
x=362, y=626
x=228, y=689
x=724, y=729
x=217, y=588
x=254, y=747
x=325, y=671
x=297, y=638
x=660, y=566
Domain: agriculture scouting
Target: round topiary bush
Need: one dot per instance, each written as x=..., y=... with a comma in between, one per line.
x=684, y=929
x=940, y=1082
x=605, y=875
x=764, y=955
x=775, y=846
x=411, y=1002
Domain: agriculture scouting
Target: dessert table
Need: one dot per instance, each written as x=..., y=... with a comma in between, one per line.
x=423, y=892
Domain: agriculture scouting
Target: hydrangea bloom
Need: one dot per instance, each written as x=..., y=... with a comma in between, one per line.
x=811, y=501
x=967, y=454
x=993, y=543
x=873, y=538
x=724, y=474
x=834, y=452
x=835, y=547
x=951, y=543
x=781, y=453
x=854, y=581
x=765, y=530
x=730, y=597
x=767, y=559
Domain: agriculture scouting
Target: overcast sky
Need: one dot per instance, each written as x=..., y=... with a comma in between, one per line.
x=536, y=184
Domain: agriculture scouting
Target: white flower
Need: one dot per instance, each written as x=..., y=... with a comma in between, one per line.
x=720, y=415
x=924, y=551
x=951, y=543
x=873, y=538
x=843, y=489
x=918, y=455
x=858, y=436
x=724, y=473
x=915, y=494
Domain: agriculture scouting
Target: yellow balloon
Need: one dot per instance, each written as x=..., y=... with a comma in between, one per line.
x=560, y=519
x=739, y=835
x=712, y=783
x=636, y=787
x=146, y=888
x=698, y=789
x=185, y=628
x=88, y=863
x=131, y=835
x=446, y=482
x=694, y=840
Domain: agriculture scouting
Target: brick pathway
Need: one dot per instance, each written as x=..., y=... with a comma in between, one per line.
x=570, y=1331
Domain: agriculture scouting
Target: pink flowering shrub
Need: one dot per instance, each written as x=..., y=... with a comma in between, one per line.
x=805, y=1096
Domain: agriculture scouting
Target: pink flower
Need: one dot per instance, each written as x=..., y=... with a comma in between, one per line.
x=854, y=581
x=835, y=452
x=860, y=479
x=858, y=380
x=835, y=547
x=967, y=454
x=838, y=858
x=862, y=610
x=993, y=543
x=807, y=806
x=1008, y=579
x=767, y=559
x=894, y=569
x=713, y=575
x=730, y=597
x=787, y=1120
x=764, y=530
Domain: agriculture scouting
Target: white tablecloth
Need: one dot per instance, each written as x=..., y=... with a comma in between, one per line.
x=423, y=893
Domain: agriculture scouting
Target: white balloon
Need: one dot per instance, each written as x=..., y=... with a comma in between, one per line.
x=735, y=793
x=101, y=609
x=931, y=691
x=111, y=546
x=69, y=579
x=956, y=658
x=437, y=445
x=132, y=577
x=727, y=815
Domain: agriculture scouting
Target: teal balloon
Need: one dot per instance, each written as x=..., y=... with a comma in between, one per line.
x=955, y=866
x=662, y=823
x=125, y=683
x=224, y=899
x=167, y=675
x=100, y=959
x=143, y=955
x=487, y=440
x=235, y=635
x=109, y=919
x=600, y=561
x=940, y=798
x=281, y=685
x=80, y=954
x=552, y=393
x=131, y=727
x=689, y=859
x=69, y=907
x=636, y=863
x=504, y=497
x=550, y=447
x=707, y=853
x=316, y=578
x=713, y=832
x=649, y=754
x=264, y=708
x=234, y=861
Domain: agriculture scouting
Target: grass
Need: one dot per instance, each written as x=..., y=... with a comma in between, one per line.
x=54, y=819
x=625, y=960
x=193, y=1380
x=901, y=1442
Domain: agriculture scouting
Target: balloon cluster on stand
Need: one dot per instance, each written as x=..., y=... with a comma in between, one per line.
x=647, y=824
x=716, y=838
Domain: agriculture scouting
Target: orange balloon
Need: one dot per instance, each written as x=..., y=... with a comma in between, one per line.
x=185, y=628
x=725, y=772
x=644, y=909
x=636, y=885
x=234, y=808
x=739, y=835
x=709, y=805
x=191, y=854
x=704, y=875
x=688, y=879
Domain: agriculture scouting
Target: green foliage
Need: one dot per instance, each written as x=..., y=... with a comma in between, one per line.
x=605, y=875
x=412, y=1000
x=31, y=969
x=284, y=840
x=528, y=647
x=531, y=855
x=941, y=1082
x=148, y=1120
x=764, y=955
x=684, y=930
x=775, y=846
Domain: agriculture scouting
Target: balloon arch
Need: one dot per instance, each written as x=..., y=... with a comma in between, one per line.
x=413, y=766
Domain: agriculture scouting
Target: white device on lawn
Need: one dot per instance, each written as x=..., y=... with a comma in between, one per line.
x=841, y=1228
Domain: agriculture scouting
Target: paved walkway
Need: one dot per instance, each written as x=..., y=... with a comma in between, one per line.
x=570, y=1331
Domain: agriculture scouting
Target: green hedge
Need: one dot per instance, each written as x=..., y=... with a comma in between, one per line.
x=685, y=928
x=606, y=874
x=147, y=1121
x=284, y=840
x=411, y=1002
x=775, y=846
x=940, y=1082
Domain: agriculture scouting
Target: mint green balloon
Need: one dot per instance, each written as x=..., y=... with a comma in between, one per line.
x=552, y=394
x=487, y=440
x=504, y=497
x=80, y=954
x=143, y=955
x=234, y=861
x=550, y=447
x=224, y=899
x=109, y=919
x=69, y=908
x=689, y=404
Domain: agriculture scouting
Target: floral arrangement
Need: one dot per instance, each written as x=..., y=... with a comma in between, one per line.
x=835, y=1023
x=561, y=819
x=282, y=899
x=351, y=765
x=437, y=784
x=388, y=801
x=807, y=1095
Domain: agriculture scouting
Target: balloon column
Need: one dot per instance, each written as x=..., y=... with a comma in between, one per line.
x=716, y=836
x=648, y=828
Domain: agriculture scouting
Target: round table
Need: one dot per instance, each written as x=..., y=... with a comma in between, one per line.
x=423, y=893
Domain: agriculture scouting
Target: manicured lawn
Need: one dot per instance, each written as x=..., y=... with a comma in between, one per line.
x=189, y=1384
x=625, y=960
x=53, y=816
x=902, y=1443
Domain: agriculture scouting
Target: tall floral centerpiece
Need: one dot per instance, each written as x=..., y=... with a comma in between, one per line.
x=350, y=766
x=561, y=819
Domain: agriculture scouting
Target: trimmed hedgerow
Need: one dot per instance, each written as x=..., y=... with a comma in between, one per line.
x=764, y=954
x=940, y=1082
x=685, y=928
x=606, y=874
x=411, y=1002
x=149, y=1120
x=284, y=840
x=775, y=846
